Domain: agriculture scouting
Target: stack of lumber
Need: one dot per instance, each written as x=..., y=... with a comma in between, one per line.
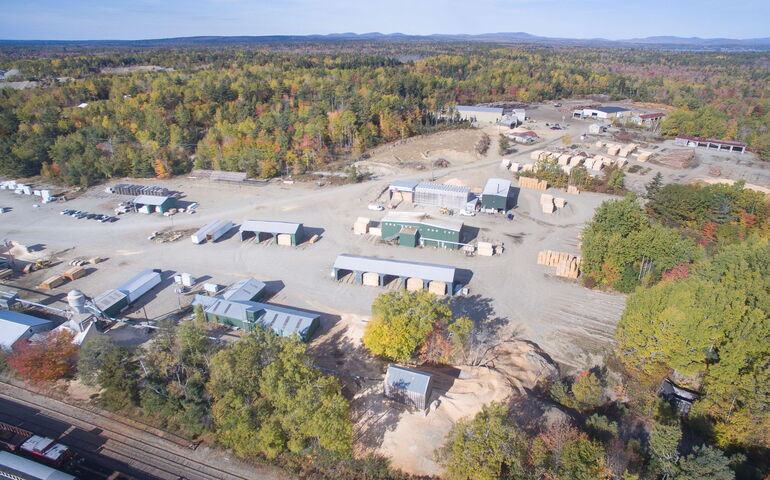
x=567, y=265
x=559, y=202
x=313, y=239
x=571, y=189
x=505, y=163
x=515, y=167
x=627, y=149
x=485, y=249
x=361, y=226
x=613, y=149
x=564, y=159
x=74, y=273
x=52, y=282
x=284, y=239
x=598, y=144
x=644, y=156
x=5, y=273
x=526, y=182
x=535, y=155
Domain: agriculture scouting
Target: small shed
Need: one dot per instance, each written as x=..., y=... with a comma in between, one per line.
x=407, y=386
x=152, y=203
x=495, y=195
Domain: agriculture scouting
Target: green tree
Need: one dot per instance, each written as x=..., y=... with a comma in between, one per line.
x=654, y=186
x=504, y=144
x=704, y=463
x=663, y=447
x=588, y=391
x=401, y=323
x=483, y=448
x=91, y=357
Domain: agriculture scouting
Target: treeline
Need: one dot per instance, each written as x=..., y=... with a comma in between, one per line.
x=296, y=107
x=260, y=398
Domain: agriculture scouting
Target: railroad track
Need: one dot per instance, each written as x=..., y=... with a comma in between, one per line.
x=157, y=456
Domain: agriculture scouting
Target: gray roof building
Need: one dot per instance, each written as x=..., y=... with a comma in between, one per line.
x=408, y=386
x=15, y=326
x=245, y=290
x=397, y=268
x=269, y=226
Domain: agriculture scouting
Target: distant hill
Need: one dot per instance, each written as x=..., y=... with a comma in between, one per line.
x=663, y=42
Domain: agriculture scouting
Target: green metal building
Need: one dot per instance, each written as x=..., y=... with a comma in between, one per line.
x=261, y=228
x=248, y=316
x=415, y=228
x=152, y=203
x=495, y=195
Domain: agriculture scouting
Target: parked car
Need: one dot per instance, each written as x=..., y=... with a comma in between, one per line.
x=376, y=208
x=467, y=213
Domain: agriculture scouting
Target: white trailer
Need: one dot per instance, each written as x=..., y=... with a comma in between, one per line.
x=140, y=284
x=212, y=231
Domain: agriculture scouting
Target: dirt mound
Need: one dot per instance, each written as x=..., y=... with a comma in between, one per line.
x=679, y=159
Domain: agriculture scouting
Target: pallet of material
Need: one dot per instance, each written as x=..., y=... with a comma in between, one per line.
x=567, y=265
x=313, y=239
x=95, y=260
x=52, y=282
x=74, y=273
x=527, y=182
x=573, y=190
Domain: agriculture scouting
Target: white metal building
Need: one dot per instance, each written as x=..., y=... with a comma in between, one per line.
x=15, y=326
x=479, y=114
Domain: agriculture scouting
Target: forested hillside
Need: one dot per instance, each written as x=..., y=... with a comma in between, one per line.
x=296, y=107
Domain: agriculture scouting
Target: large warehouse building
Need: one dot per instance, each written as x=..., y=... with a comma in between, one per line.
x=15, y=326
x=285, y=233
x=440, y=195
x=495, y=195
x=479, y=114
x=237, y=307
x=414, y=276
x=416, y=228
x=603, y=113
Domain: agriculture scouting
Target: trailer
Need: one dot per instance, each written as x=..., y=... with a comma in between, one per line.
x=212, y=231
x=140, y=284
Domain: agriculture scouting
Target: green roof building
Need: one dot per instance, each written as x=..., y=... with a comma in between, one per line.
x=415, y=228
x=495, y=195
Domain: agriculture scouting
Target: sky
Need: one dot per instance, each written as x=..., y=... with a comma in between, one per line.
x=611, y=19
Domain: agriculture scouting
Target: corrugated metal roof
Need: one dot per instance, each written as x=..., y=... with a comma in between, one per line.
x=138, y=280
x=13, y=325
x=283, y=320
x=470, y=108
x=269, y=226
x=646, y=116
x=150, y=200
x=497, y=186
x=204, y=301
x=441, y=188
x=30, y=468
x=711, y=140
x=244, y=290
x=408, y=379
x=610, y=109
x=425, y=271
x=402, y=185
x=424, y=219
x=109, y=298
x=212, y=227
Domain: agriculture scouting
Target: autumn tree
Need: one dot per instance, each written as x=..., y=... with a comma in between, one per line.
x=47, y=360
x=402, y=322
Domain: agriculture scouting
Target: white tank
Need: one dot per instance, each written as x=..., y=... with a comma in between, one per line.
x=76, y=301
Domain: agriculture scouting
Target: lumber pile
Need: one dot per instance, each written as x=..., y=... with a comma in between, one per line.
x=52, y=282
x=573, y=190
x=567, y=265
x=5, y=273
x=505, y=163
x=684, y=158
x=644, y=156
x=514, y=167
x=533, y=183
x=361, y=227
x=74, y=273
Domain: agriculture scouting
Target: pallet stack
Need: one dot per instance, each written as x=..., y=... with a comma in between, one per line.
x=534, y=183
x=361, y=227
x=567, y=265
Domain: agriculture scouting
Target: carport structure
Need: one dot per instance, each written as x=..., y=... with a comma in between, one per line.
x=285, y=233
x=370, y=271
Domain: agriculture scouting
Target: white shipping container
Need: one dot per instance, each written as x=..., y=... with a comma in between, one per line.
x=140, y=284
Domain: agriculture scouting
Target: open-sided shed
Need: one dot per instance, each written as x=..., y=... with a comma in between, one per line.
x=152, y=203
x=440, y=279
x=295, y=232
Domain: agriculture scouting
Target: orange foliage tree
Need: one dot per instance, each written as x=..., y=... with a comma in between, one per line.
x=45, y=361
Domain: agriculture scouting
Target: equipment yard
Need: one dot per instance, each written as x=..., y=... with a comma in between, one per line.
x=509, y=294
